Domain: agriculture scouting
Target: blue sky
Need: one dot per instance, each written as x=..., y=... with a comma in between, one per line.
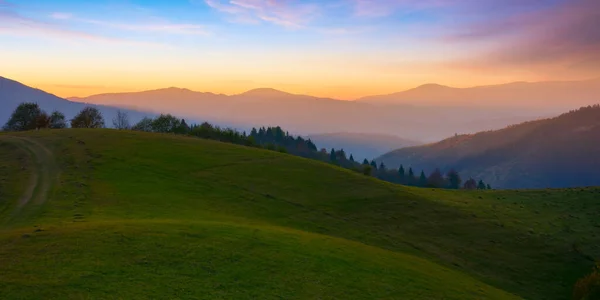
x=341, y=48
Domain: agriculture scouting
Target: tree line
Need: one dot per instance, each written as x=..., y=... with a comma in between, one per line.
x=29, y=116
x=436, y=179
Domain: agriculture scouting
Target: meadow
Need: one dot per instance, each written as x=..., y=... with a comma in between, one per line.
x=131, y=215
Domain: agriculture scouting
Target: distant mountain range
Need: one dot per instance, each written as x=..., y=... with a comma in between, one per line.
x=13, y=93
x=555, y=152
x=557, y=94
x=361, y=145
x=302, y=114
x=417, y=119
x=558, y=152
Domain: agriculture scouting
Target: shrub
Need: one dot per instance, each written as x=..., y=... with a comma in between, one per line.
x=144, y=124
x=25, y=117
x=88, y=117
x=367, y=170
x=57, y=120
x=42, y=121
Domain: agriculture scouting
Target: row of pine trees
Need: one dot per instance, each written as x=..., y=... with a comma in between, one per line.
x=29, y=116
x=436, y=179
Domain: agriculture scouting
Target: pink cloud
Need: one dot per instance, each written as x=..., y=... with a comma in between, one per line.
x=158, y=27
x=376, y=8
x=566, y=37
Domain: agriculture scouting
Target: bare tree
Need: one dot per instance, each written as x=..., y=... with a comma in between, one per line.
x=121, y=121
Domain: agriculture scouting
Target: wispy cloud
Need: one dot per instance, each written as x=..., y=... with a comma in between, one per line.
x=15, y=24
x=567, y=34
x=154, y=27
x=290, y=14
x=344, y=30
x=376, y=8
x=61, y=16
x=373, y=8
x=82, y=87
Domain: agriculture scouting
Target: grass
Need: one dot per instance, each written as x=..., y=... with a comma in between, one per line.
x=166, y=259
x=138, y=215
x=14, y=174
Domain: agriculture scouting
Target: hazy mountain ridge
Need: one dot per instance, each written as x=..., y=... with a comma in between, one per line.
x=299, y=114
x=361, y=145
x=557, y=152
x=13, y=93
x=303, y=114
x=561, y=94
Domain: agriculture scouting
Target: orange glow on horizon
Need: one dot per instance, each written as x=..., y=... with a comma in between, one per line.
x=341, y=91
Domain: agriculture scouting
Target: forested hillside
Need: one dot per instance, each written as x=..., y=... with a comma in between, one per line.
x=557, y=152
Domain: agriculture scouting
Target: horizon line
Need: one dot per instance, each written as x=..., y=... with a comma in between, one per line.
x=307, y=95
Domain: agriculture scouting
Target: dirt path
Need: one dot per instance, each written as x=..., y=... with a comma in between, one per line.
x=43, y=176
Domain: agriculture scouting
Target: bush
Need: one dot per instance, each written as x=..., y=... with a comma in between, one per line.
x=367, y=170
x=165, y=124
x=144, y=124
x=25, y=117
x=282, y=149
x=57, y=120
x=88, y=117
x=42, y=121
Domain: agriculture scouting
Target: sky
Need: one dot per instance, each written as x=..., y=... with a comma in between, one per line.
x=342, y=49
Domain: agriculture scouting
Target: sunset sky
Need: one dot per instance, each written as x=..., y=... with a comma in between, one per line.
x=340, y=48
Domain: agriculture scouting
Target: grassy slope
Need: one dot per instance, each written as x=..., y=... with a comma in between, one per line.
x=150, y=215
x=14, y=174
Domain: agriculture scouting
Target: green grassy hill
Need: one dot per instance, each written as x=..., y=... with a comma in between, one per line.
x=108, y=214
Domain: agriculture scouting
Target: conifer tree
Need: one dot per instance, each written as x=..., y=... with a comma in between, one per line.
x=374, y=165
x=481, y=185
x=332, y=156
x=342, y=154
x=411, y=180
x=423, y=179
x=454, y=180
x=365, y=162
x=351, y=158
x=401, y=174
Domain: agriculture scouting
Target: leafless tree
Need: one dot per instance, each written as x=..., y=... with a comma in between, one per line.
x=121, y=121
